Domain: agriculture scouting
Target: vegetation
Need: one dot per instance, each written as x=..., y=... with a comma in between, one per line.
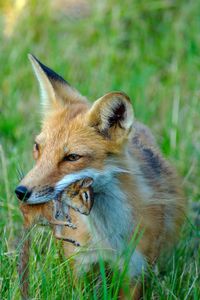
x=148, y=49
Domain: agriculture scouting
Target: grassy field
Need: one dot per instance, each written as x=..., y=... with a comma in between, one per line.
x=148, y=49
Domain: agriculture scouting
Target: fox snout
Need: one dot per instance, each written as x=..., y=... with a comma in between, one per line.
x=22, y=193
x=39, y=194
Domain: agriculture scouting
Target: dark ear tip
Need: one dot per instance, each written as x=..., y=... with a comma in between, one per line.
x=124, y=96
x=53, y=76
x=30, y=55
x=119, y=95
x=33, y=58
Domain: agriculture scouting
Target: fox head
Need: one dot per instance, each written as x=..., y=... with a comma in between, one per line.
x=75, y=136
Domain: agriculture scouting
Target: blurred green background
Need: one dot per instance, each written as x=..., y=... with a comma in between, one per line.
x=148, y=49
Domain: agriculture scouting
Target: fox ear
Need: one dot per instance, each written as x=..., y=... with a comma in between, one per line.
x=112, y=115
x=53, y=88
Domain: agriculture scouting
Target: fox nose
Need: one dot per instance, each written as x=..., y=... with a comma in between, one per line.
x=22, y=193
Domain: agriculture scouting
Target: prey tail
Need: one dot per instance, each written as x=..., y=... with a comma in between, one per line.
x=23, y=265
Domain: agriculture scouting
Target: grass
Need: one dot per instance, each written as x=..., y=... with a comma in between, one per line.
x=150, y=50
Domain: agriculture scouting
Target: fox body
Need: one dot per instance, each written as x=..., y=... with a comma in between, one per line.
x=134, y=187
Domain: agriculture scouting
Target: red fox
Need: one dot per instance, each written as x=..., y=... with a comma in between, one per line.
x=134, y=186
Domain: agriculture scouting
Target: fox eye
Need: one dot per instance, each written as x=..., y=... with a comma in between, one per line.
x=36, y=147
x=72, y=157
x=85, y=196
x=35, y=150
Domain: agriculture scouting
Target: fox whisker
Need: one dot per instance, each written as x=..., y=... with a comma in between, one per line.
x=20, y=173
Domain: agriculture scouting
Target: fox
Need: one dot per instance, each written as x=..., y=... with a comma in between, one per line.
x=79, y=195
x=136, y=190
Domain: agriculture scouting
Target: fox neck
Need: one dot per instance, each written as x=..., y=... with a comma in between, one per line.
x=111, y=216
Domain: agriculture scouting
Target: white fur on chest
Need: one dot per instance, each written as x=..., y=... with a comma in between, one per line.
x=111, y=219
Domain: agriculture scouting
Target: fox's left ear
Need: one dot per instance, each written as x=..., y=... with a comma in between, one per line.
x=53, y=88
x=112, y=115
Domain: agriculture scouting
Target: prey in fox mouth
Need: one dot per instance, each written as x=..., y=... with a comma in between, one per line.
x=78, y=196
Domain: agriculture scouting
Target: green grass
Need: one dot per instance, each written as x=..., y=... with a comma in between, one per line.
x=151, y=51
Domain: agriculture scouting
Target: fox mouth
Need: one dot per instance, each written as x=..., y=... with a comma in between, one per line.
x=46, y=194
x=101, y=177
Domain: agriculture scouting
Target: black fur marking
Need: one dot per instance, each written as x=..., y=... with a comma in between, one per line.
x=117, y=114
x=104, y=133
x=50, y=73
x=152, y=160
x=110, y=155
x=50, y=189
x=136, y=141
